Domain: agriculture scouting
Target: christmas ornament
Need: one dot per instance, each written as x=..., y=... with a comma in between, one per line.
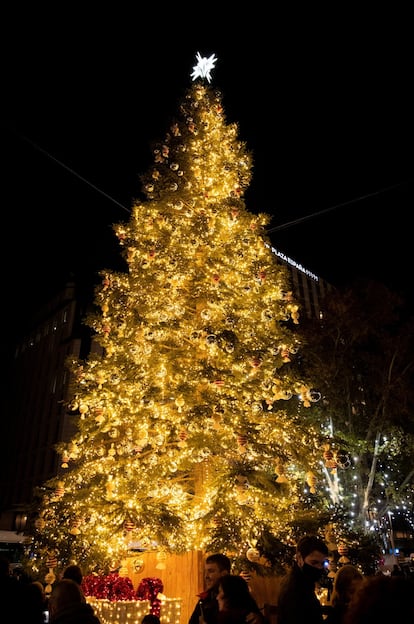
x=343, y=460
x=311, y=480
x=139, y=565
x=161, y=559
x=242, y=487
x=60, y=490
x=330, y=459
x=280, y=471
x=253, y=555
x=343, y=552
x=52, y=561
x=50, y=578
x=129, y=525
x=74, y=530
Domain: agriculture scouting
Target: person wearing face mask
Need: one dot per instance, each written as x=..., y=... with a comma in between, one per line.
x=297, y=602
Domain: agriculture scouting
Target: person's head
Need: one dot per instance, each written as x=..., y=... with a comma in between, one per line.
x=74, y=573
x=234, y=593
x=345, y=583
x=311, y=554
x=382, y=599
x=40, y=589
x=65, y=593
x=215, y=567
x=150, y=618
x=35, y=595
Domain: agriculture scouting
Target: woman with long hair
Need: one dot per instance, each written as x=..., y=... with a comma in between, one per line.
x=346, y=581
x=236, y=603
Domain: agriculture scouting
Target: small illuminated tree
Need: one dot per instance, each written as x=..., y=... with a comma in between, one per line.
x=363, y=357
x=192, y=428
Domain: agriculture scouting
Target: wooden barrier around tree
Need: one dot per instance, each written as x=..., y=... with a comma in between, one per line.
x=183, y=577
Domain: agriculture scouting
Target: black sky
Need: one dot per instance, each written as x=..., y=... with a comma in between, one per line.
x=326, y=111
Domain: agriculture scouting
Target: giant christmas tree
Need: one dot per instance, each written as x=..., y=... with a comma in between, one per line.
x=193, y=429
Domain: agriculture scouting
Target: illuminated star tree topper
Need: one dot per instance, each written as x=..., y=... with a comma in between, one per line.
x=203, y=67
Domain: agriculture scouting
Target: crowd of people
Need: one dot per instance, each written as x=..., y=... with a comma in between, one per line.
x=227, y=597
x=355, y=598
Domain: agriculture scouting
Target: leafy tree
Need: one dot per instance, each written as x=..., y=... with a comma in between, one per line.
x=363, y=360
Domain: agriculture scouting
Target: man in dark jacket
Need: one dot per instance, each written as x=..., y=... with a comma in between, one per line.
x=298, y=603
x=206, y=609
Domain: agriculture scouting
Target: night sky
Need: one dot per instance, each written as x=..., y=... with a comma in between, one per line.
x=326, y=111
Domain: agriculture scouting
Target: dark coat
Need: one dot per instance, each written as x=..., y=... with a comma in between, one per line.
x=11, y=600
x=298, y=603
x=206, y=607
x=335, y=615
x=80, y=613
x=233, y=616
